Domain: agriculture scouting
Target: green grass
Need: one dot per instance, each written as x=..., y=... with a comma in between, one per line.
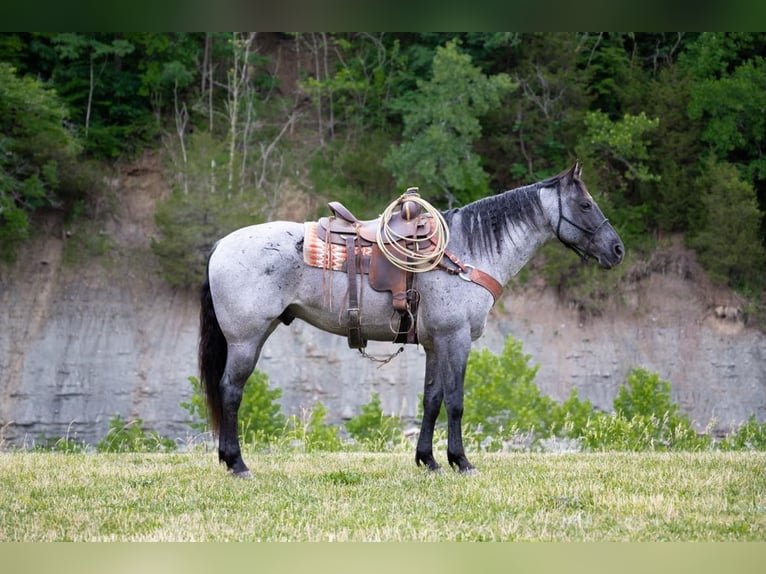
x=369, y=497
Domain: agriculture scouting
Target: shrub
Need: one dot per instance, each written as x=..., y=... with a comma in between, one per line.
x=500, y=393
x=570, y=417
x=372, y=428
x=749, y=436
x=130, y=436
x=645, y=418
x=62, y=444
x=312, y=432
x=260, y=416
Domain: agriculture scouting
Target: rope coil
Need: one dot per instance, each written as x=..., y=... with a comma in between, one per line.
x=401, y=255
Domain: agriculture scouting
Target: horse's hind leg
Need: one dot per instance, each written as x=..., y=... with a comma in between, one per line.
x=432, y=402
x=240, y=362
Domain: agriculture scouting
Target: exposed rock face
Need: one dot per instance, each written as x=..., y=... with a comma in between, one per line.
x=79, y=344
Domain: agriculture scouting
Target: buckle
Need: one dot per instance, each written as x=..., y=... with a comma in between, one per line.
x=463, y=276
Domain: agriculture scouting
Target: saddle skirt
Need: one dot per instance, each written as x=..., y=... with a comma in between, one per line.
x=327, y=255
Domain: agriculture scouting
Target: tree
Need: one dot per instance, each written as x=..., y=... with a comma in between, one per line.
x=728, y=239
x=616, y=154
x=74, y=47
x=441, y=125
x=35, y=148
x=733, y=108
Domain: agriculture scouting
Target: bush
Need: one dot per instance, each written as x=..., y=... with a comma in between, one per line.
x=500, y=394
x=372, y=428
x=645, y=418
x=130, y=436
x=201, y=210
x=749, y=436
x=312, y=432
x=260, y=417
x=62, y=444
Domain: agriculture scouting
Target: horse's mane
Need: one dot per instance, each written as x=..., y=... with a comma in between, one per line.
x=486, y=224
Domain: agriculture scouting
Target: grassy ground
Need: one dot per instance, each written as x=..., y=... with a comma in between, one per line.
x=370, y=497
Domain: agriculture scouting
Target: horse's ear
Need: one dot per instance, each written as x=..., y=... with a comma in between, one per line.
x=577, y=170
x=571, y=174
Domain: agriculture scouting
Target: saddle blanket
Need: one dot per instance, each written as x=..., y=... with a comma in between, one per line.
x=326, y=255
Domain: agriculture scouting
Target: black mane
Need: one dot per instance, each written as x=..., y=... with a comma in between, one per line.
x=486, y=223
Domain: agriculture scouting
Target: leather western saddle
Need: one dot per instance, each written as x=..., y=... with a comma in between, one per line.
x=360, y=255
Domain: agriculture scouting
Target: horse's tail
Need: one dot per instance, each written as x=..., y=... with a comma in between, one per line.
x=212, y=354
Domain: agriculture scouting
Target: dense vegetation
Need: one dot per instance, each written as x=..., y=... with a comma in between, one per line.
x=670, y=127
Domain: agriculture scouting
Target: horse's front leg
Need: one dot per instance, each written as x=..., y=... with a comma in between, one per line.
x=452, y=356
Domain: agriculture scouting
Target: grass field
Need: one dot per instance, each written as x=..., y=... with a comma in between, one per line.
x=383, y=497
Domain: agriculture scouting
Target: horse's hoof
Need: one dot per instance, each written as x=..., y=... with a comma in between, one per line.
x=470, y=471
x=245, y=475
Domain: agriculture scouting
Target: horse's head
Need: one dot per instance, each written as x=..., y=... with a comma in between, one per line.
x=579, y=222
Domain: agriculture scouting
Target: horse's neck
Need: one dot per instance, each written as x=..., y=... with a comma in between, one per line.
x=520, y=243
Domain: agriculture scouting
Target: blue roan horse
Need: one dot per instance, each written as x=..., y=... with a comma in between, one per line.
x=257, y=279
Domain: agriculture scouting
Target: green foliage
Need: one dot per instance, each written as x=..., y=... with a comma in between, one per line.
x=500, y=393
x=570, y=417
x=193, y=218
x=531, y=135
x=749, y=436
x=645, y=418
x=640, y=433
x=358, y=90
x=645, y=395
x=728, y=240
x=312, y=433
x=130, y=436
x=355, y=176
x=35, y=152
x=501, y=399
x=64, y=444
x=260, y=417
x=441, y=124
x=372, y=428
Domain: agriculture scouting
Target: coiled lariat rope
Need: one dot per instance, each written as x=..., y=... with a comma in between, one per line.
x=411, y=258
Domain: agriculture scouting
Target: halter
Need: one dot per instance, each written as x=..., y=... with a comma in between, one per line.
x=583, y=253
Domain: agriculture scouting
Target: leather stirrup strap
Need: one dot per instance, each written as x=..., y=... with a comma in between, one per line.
x=355, y=339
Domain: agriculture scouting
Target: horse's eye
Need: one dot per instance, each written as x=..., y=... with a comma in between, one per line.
x=585, y=205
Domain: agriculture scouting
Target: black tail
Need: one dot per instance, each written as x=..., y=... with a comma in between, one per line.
x=212, y=355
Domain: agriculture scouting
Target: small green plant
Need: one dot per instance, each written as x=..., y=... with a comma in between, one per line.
x=373, y=429
x=260, y=417
x=749, y=436
x=500, y=393
x=130, y=436
x=645, y=418
x=312, y=432
x=62, y=444
x=570, y=417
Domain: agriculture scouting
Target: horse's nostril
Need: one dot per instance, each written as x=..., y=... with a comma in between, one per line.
x=619, y=250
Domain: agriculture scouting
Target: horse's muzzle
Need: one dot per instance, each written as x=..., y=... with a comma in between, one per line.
x=613, y=256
